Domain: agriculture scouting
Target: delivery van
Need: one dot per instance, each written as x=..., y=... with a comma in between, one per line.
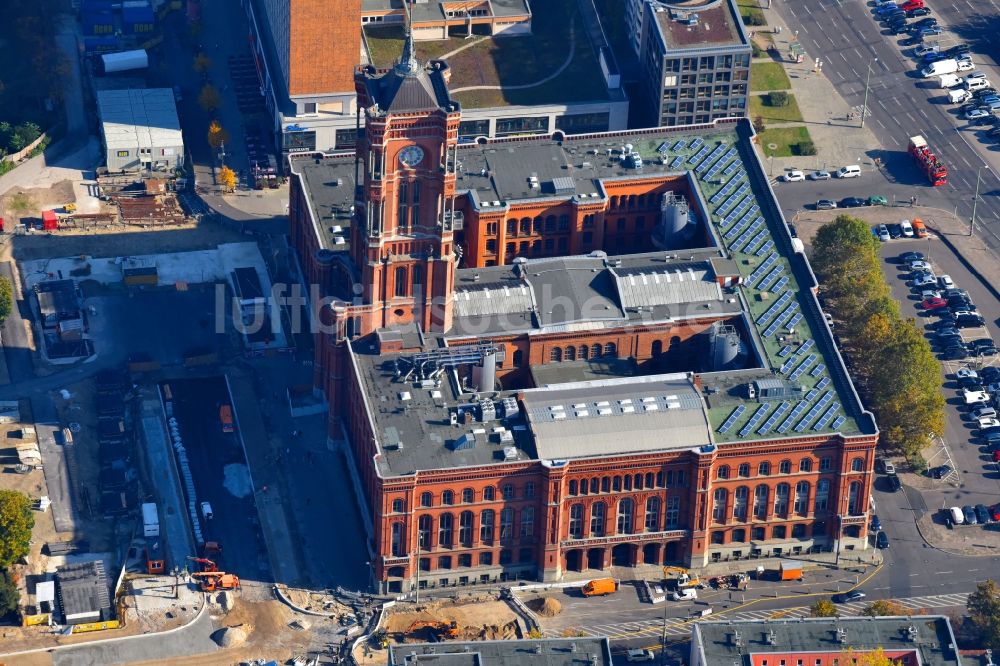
x=958, y=96
x=947, y=66
x=686, y=594
x=949, y=80
x=849, y=171
x=600, y=587
x=919, y=230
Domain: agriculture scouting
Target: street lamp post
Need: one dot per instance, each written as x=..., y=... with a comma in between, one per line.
x=975, y=199
x=868, y=80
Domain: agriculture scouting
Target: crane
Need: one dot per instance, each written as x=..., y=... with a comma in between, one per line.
x=210, y=581
x=207, y=565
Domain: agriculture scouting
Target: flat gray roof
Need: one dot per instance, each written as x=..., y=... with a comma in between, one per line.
x=434, y=10
x=139, y=118
x=693, y=24
x=617, y=416
x=747, y=643
x=528, y=652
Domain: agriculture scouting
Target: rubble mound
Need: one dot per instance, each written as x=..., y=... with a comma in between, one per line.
x=225, y=600
x=547, y=607
x=230, y=637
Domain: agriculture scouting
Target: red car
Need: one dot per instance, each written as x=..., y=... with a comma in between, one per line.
x=912, y=4
x=934, y=303
x=995, y=510
x=996, y=458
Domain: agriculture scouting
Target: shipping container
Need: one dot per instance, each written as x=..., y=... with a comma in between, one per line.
x=150, y=520
x=124, y=61
x=101, y=44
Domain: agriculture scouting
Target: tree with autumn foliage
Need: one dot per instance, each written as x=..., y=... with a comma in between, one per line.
x=823, y=608
x=227, y=178
x=894, y=367
x=202, y=63
x=217, y=135
x=884, y=608
x=984, y=611
x=209, y=98
x=876, y=657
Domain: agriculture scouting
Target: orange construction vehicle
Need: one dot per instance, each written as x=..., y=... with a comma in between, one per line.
x=210, y=581
x=207, y=565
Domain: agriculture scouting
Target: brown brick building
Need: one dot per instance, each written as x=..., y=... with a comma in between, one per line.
x=552, y=354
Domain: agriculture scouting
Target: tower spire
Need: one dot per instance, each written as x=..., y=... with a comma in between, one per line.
x=408, y=63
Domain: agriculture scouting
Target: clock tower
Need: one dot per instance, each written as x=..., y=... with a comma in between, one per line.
x=402, y=241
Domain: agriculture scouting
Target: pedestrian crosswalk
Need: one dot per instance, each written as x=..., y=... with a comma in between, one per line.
x=682, y=626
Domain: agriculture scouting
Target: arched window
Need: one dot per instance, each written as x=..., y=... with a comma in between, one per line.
x=572, y=487
x=722, y=472
x=805, y=465
x=653, y=514
x=583, y=353
x=637, y=481
x=525, y=225
x=511, y=227
x=785, y=467
x=465, y=529
x=576, y=521
x=605, y=484
x=486, y=520
x=598, y=518
x=650, y=480
x=628, y=482
x=616, y=484
x=527, y=522
x=822, y=495
x=781, y=492
x=571, y=353
x=489, y=494
x=853, y=497
x=740, y=500
x=518, y=358
x=857, y=465
x=626, y=512
x=424, y=526
x=506, y=524
x=744, y=470
x=802, y=498
x=397, y=540
x=425, y=499
x=719, y=505
x=657, y=347
x=760, y=494
x=595, y=351
x=507, y=491
x=397, y=505
x=445, y=525
x=447, y=498
x=556, y=354
x=764, y=469
x=595, y=486
x=611, y=350
x=468, y=496
x=400, y=282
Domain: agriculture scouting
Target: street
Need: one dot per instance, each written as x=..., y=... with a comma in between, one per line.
x=847, y=38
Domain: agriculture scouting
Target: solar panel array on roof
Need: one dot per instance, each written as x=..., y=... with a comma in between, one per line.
x=818, y=370
x=679, y=160
x=710, y=160
x=806, y=363
x=775, y=308
x=777, y=323
x=799, y=408
x=731, y=419
x=805, y=346
x=834, y=408
x=723, y=161
x=699, y=156
x=663, y=148
x=696, y=144
x=773, y=418
x=781, y=284
x=814, y=412
x=795, y=320
x=757, y=417
x=766, y=247
x=564, y=184
x=726, y=190
x=785, y=351
x=837, y=422
x=823, y=383
x=766, y=284
x=680, y=145
x=764, y=265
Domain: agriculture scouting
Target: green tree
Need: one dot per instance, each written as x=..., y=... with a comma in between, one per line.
x=777, y=98
x=884, y=607
x=6, y=298
x=984, y=603
x=805, y=148
x=16, y=523
x=823, y=608
x=9, y=596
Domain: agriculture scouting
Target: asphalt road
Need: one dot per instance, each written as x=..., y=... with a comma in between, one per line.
x=220, y=477
x=846, y=37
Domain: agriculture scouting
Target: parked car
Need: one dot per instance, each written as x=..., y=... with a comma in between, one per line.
x=876, y=524
x=907, y=229
x=819, y=175
x=954, y=354
x=939, y=472
x=977, y=114
x=918, y=12
x=847, y=597
x=825, y=204
x=926, y=49
x=983, y=412
x=885, y=466
x=853, y=202
x=895, y=231
x=910, y=257
x=946, y=282
x=881, y=540
x=970, y=515
x=934, y=304
x=920, y=265
x=925, y=280
x=929, y=31
x=883, y=233
x=983, y=514
x=793, y=176
x=894, y=482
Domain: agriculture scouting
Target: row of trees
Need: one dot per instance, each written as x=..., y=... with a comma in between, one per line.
x=16, y=523
x=16, y=137
x=894, y=368
x=879, y=608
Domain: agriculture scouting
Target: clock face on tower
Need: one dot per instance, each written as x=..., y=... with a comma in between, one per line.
x=411, y=156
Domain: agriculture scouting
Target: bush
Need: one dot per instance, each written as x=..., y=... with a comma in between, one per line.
x=755, y=17
x=757, y=51
x=777, y=98
x=805, y=148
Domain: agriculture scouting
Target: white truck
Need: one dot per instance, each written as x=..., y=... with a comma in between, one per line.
x=949, y=80
x=150, y=520
x=946, y=66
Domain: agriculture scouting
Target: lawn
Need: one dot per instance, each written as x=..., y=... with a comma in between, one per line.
x=786, y=139
x=510, y=61
x=768, y=76
x=749, y=8
x=777, y=114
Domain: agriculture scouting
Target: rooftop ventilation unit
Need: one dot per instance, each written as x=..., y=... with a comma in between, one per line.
x=841, y=635
x=509, y=453
x=912, y=633
x=771, y=638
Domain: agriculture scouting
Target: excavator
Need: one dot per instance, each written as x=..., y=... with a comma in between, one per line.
x=441, y=630
x=207, y=565
x=683, y=577
x=210, y=581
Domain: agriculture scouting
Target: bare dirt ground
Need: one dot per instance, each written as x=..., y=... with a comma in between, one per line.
x=20, y=203
x=478, y=619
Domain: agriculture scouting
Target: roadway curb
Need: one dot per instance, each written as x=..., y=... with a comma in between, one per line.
x=288, y=602
x=102, y=641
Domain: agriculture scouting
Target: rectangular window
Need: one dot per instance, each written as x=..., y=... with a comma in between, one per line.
x=122, y=153
x=473, y=128
x=298, y=141
x=825, y=464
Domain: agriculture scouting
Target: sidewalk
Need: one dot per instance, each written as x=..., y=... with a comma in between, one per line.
x=832, y=123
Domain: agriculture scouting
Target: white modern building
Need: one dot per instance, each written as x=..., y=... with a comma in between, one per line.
x=140, y=129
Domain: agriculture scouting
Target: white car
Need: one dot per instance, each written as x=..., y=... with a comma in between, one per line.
x=793, y=176
x=965, y=65
x=925, y=281
x=984, y=412
x=928, y=294
x=973, y=85
x=946, y=282
x=819, y=175
x=966, y=372
x=976, y=114
x=976, y=397
x=919, y=265
x=906, y=228
x=987, y=422
x=639, y=654
x=206, y=511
